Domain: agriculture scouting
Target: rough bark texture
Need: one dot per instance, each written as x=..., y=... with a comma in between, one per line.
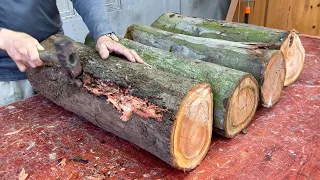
x=254, y=59
x=210, y=28
x=286, y=41
x=156, y=86
x=224, y=81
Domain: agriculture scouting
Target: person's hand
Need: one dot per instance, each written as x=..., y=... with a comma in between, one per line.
x=106, y=45
x=22, y=48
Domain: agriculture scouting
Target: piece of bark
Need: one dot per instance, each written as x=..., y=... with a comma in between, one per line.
x=286, y=41
x=267, y=66
x=236, y=93
x=168, y=115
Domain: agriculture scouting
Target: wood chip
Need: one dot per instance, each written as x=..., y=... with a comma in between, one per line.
x=14, y=132
x=63, y=162
x=97, y=177
x=23, y=175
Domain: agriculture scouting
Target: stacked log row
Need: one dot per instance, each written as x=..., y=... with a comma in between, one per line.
x=236, y=93
x=168, y=115
x=288, y=42
x=267, y=66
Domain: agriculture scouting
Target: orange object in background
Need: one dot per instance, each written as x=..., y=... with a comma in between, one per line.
x=247, y=10
x=246, y=13
x=302, y=16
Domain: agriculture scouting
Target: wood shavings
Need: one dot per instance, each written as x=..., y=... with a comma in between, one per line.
x=23, y=175
x=14, y=132
x=63, y=162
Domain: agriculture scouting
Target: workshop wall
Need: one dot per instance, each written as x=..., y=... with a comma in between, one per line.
x=302, y=15
x=123, y=13
x=212, y=9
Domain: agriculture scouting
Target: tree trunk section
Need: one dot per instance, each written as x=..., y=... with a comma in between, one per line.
x=286, y=41
x=267, y=66
x=143, y=105
x=236, y=93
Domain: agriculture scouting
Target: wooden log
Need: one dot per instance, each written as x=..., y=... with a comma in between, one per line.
x=286, y=41
x=267, y=66
x=143, y=105
x=236, y=93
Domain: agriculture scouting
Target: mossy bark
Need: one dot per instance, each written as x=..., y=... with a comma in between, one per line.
x=286, y=41
x=163, y=89
x=250, y=58
x=224, y=81
x=210, y=28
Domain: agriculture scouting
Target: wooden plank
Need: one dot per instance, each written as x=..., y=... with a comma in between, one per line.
x=257, y=15
x=232, y=9
x=239, y=13
x=279, y=13
x=303, y=16
x=306, y=17
x=258, y=10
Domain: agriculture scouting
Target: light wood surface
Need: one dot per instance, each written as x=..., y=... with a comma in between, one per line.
x=232, y=10
x=302, y=15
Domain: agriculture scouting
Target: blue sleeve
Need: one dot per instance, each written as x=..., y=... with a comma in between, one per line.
x=94, y=14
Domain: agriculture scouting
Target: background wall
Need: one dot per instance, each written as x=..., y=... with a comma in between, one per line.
x=302, y=15
x=123, y=13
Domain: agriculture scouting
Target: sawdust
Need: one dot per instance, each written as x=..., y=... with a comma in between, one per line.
x=23, y=175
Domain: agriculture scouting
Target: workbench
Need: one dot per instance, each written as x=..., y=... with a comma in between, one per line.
x=282, y=142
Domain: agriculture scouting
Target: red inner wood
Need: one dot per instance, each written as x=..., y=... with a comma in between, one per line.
x=120, y=98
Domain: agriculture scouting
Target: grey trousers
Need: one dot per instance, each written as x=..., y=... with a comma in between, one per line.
x=11, y=91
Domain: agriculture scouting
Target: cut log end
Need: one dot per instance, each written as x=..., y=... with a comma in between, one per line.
x=274, y=78
x=294, y=54
x=242, y=106
x=192, y=128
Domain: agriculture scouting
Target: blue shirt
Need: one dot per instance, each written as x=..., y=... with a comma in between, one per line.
x=41, y=19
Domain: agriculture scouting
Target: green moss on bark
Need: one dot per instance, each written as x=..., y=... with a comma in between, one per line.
x=218, y=29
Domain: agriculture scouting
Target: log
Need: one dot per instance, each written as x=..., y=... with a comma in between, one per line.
x=286, y=41
x=267, y=66
x=146, y=106
x=236, y=93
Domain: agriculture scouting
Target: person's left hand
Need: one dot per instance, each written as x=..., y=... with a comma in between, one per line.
x=105, y=45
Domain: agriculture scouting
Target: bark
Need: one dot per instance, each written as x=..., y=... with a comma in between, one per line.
x=126, y=86
x=286, y=41
x=267, y=66
x=210, y=28
x=229, y=86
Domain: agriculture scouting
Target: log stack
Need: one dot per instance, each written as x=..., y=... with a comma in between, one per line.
x=236, y=93
x=195, y=81
x=267, y=66
x=170, y=116
x=286, y=41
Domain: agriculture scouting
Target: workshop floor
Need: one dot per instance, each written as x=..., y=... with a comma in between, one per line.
x=281, y=143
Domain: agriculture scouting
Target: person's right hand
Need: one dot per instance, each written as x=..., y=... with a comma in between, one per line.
x=22, y=48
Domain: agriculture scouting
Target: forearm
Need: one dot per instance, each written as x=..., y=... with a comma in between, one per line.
x=94, y=14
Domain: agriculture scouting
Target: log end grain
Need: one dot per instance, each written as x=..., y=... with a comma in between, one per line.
x=192, y=129
x=274, y=78
x=294, y=56
x=241, y=106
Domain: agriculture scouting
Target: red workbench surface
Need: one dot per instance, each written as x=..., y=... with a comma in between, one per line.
x=281, y=143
